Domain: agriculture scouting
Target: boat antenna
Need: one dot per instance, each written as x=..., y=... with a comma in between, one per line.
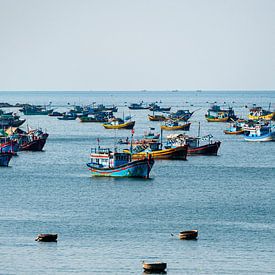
x=98, y=146
x=199, y=129
x=161, y=131
x=131, y=144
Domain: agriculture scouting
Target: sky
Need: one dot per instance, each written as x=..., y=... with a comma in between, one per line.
x=137, y=44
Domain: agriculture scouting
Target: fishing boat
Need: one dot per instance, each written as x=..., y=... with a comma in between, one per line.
x=181, y=115
x=35, y=110
x=150, y=135
x=175, y=126
x=260, y=133
x=138, y=106
x=216, y=114
x=67, y=116
x=196, y=145
x=257, y=113
x=154, y=149
x=156, y=108
x=156, y=267
x=188, y=235
x=33, y=140
x=5, y=158
x=98, y=117
x=10, y=120
x=119, y=123
x=46, y=238
x=157, y=117
x=55, y=113
x=106, y=163
x=235, y=128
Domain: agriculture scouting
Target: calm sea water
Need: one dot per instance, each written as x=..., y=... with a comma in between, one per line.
x=109, y=226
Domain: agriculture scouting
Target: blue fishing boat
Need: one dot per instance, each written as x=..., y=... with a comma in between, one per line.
x=5, y=158
x=106, y=163
x=260, y=133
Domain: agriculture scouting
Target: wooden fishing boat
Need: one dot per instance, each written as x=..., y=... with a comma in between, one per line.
x=232, y=132
x=67, y=117
x=260, y=133
x=46, y=238
x=157, y=117
x=119, y=124
x=106, y=163
x=33, y=140
x=175, y=126
x=93, y=119
x=257, y=113
x=181, y=115
x=138, y=106
x=216, y=114
x=188, y=235
x=5, y=158
x=154, y=267
x=154, y=150
x=196, y=145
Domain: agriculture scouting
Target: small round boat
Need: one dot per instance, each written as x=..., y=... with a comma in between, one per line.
x=188, y=235
x=46, y=238
x=154, y=267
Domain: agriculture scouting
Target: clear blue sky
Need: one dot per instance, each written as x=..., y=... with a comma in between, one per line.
x=137, y=44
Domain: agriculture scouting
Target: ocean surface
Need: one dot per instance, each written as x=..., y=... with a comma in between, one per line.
x=109, y=226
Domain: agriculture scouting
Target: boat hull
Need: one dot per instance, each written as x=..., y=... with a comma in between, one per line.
x=157, y=118
x=127, y=125
x=228, y=132
x=178, y=153
x=35, y=145
x=9, y=147
x=266, y=117
x=224, y=119
x=185, y=127
x=263, y=138
x=5, y=159
x=205, y=150
x=137, y=169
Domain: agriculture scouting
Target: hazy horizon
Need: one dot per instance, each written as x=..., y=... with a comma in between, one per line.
x=153, y=45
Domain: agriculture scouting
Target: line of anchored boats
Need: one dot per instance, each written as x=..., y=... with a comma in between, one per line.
x=138, y=159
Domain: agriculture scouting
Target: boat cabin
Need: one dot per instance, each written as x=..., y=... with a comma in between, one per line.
x=105, y=158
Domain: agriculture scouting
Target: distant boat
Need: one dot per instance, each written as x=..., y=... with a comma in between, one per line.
x=175, y=126
x=67, y=117
x=157, y=117
x=188, y=235
x=138, y=106
x=156, y=108
x=47, y=238
x=55, y=114
x=119, y=124
x=154, y=267
x=106, y=163
x=35, y=110
x=5, y=158
x=181, y=115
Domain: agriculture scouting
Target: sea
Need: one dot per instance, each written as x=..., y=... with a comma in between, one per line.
x=109, y=225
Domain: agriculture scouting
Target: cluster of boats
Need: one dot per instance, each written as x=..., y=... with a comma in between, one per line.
x=14, y=139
